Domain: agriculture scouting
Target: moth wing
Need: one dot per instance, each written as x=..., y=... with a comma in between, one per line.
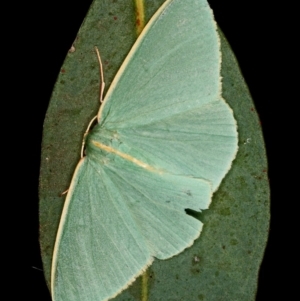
x=98, y=250
x=173, y=67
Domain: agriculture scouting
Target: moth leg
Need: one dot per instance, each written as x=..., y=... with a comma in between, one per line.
x=64, y=192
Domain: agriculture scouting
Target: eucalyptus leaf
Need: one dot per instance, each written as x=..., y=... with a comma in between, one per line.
x=224, y=261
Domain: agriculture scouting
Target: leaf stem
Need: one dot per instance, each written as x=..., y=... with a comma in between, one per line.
x=145, y=286
x=140, y=16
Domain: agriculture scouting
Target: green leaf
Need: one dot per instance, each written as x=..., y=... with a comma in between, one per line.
x=223, y=263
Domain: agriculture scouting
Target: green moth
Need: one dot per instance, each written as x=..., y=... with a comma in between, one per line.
x=164, y=140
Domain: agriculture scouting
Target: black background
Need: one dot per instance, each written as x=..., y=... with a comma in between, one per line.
x=45, y=36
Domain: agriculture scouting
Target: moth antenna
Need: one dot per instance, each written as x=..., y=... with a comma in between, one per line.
x=101, y=75
x=84, y=135
x=102, y=85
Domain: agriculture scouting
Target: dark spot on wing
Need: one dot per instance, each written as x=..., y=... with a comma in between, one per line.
x=188, y=192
